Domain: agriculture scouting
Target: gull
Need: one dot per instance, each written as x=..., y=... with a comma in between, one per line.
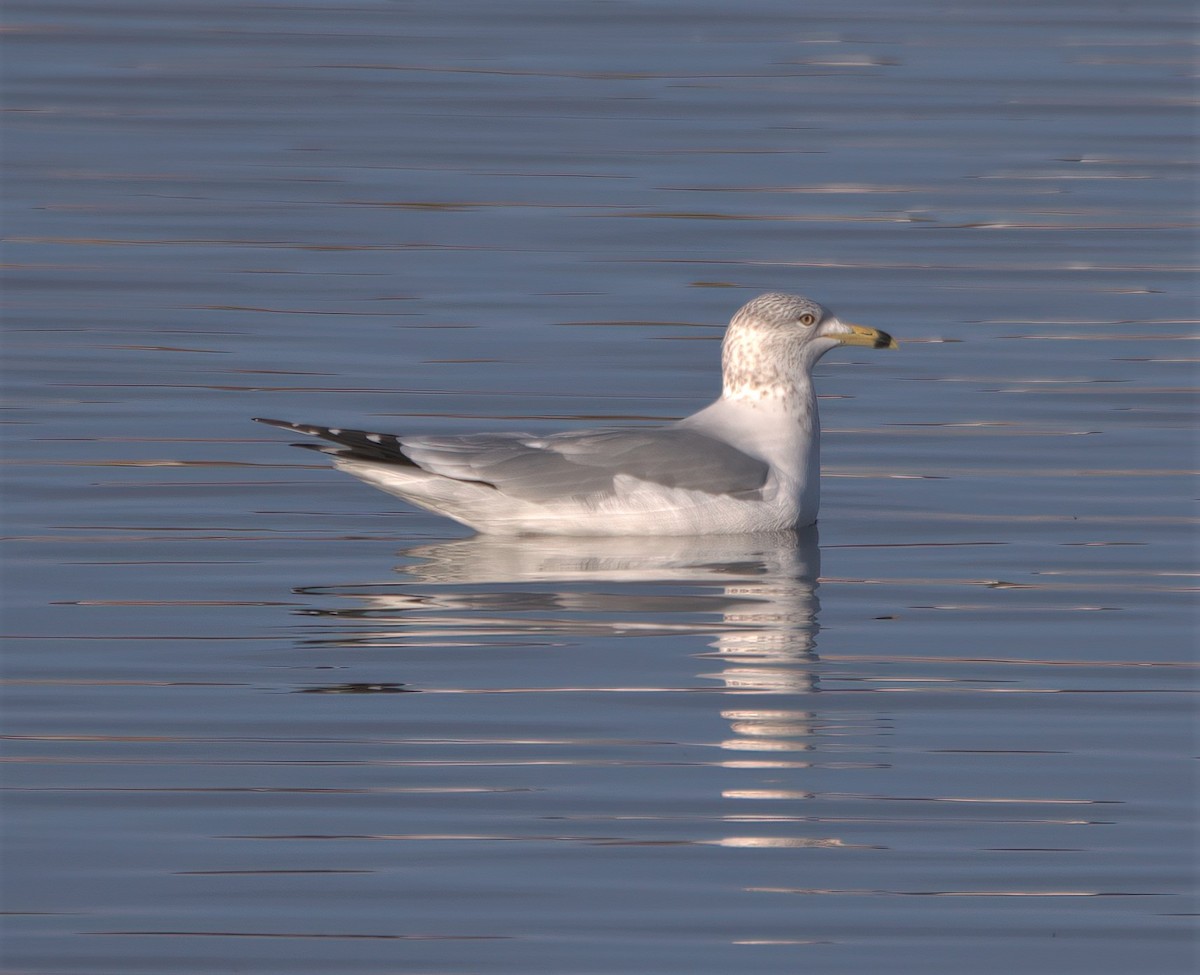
x=749, y=462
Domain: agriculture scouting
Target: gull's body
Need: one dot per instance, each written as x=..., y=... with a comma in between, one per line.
x=749, y=462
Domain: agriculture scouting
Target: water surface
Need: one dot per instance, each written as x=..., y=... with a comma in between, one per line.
x=261, y=718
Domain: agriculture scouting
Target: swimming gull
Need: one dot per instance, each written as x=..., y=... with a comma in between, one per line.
x=749, y=462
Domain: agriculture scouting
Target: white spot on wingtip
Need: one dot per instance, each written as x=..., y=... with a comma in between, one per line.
x=336, y=431
x=374, y=438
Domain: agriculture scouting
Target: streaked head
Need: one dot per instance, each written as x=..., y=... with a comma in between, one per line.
x=805, y=320
x=774, y=340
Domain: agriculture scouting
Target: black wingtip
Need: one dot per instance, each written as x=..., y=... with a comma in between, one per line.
x=380, y=448
x=308, y=429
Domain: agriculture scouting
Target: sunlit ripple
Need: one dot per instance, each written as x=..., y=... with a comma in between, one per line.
x=852, y=892
x=794, y=794
x=787, y=842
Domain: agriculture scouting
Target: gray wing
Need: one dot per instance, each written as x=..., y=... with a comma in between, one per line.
x=539, y=469
x=563, y=465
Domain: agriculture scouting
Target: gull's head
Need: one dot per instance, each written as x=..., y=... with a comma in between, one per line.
x=773, y=341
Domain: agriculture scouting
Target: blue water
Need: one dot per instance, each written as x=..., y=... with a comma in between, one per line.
x=260, y=718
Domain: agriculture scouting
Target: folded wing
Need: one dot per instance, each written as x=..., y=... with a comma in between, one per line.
x=562, y=465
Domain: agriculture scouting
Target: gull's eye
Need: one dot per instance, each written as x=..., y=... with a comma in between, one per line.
x=807, y=319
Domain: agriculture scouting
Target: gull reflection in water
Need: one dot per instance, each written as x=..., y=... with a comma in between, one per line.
x=750, y=598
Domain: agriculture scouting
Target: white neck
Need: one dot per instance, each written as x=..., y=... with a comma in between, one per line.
x=778, y=424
